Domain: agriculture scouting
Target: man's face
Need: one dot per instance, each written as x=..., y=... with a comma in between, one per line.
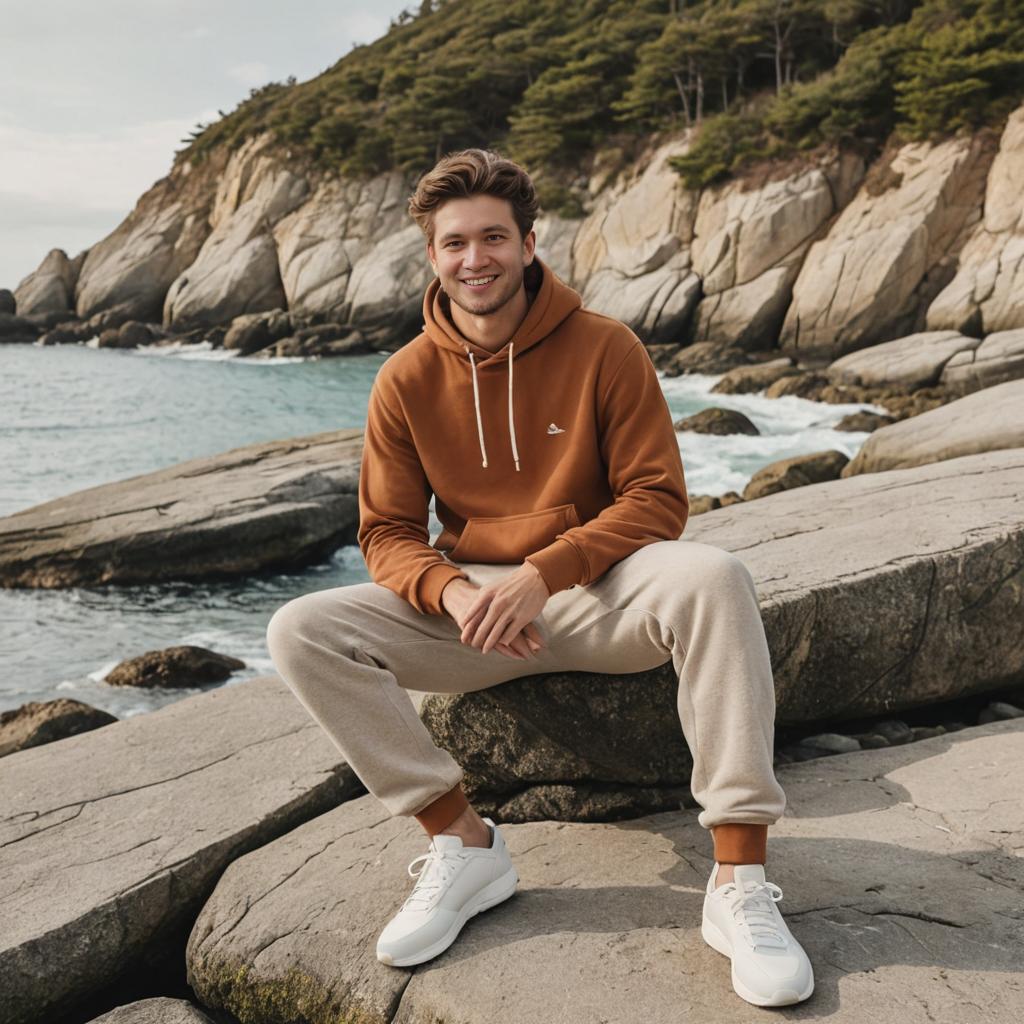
x=478, y=253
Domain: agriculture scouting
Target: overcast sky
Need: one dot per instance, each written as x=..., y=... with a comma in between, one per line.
x=96, y=96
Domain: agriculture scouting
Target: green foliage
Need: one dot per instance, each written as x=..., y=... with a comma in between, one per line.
x=550, y=82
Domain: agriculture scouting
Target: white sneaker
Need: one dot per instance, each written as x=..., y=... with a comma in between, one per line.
x=455, y=883
x=741, y=921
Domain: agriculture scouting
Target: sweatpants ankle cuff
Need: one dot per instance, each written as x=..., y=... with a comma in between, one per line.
x=439, y=814
x=740, y=843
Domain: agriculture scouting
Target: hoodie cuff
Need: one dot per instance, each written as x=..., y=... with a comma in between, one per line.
x=432, y=582
x=559, y=564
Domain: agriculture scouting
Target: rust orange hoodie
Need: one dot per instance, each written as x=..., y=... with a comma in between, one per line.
x=558, y=449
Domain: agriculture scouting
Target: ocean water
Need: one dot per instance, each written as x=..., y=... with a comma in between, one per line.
x=75, y=416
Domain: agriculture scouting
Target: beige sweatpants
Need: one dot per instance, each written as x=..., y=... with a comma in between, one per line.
x=350, y=653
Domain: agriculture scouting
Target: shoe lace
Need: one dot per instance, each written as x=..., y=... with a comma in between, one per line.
x=753, y=908
x=436, y=872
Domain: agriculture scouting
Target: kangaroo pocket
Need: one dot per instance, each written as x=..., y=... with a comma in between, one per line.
x=511, y=538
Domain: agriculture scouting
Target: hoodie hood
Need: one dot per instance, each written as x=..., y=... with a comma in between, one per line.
x=553, y=302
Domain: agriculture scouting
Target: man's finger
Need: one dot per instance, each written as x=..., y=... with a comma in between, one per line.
x=496, y=632
x=531, y=630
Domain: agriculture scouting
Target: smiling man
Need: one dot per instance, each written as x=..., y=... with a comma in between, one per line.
x=542, y=432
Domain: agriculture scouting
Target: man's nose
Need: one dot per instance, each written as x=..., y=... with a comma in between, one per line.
x=474, y=256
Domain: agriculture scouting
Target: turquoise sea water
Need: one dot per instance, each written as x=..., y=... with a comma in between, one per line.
x=74, y=416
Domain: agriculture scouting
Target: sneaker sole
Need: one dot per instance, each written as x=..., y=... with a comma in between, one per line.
x=497, y=892
x=713, y=936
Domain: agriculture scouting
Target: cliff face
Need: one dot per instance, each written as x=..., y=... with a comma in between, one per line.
x=819, y=259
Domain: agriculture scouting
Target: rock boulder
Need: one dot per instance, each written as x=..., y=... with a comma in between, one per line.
x=984, y=421
x=605, y=925
x=276, y=503
x=111, y=841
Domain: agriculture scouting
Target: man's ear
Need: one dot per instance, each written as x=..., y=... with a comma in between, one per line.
x=430, y=256
x=529, y=247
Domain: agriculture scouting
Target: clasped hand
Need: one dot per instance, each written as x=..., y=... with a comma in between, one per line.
x=499, y=616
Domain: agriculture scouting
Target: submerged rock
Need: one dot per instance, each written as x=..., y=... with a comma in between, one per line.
x=718, y=421
x=185, y=665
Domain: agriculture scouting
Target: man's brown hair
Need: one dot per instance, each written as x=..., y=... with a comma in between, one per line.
x=474, y=172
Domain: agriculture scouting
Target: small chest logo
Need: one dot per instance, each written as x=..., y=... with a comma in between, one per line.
x=552, y=429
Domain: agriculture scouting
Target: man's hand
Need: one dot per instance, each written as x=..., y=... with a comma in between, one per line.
x=500, y=615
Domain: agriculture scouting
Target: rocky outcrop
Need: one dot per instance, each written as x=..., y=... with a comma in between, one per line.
x=252, y=332
x=128, y=273
x=236, y=271
x=137, y=820
x=916, y=361
x=873, y=275
x=999, y=358
x=291, y=928
x=131, y=334
x=16, y=329
x=797, y=471
x=273, y=504
x=387, y=284
x=38, y=722
x=987, y=293
x=319, y=243
x=864, y=611
x=749, y=244
x=183, y=665
x=830, y=257
x=50, y=288
x=745, y=380
x=631, y=253
x=984, y=421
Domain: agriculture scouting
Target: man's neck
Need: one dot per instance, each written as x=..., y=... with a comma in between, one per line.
x=494, y=330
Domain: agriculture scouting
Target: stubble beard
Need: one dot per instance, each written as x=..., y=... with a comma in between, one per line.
x=495, y=304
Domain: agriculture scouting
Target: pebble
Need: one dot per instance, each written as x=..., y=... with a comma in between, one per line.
x=833, y=742
x=1003, y=710
x=894, y=731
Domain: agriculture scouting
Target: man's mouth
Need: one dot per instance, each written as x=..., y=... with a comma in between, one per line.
x=479, y=283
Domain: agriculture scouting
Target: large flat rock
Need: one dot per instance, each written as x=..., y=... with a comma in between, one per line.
x=110, y=841
x=986, y=420
x=277, y=504
x=900, y=869
x=878, y=592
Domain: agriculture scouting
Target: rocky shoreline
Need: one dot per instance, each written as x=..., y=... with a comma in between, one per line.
x=220, y=853
x=230, y=853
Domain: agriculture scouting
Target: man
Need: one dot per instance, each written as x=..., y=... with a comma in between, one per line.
x=541, y=429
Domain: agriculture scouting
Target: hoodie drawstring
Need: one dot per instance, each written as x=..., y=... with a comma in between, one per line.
x=511, y=418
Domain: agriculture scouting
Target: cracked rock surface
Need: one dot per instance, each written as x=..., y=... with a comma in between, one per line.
x=111, y=840
x=276, y=503
x=900, y=869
